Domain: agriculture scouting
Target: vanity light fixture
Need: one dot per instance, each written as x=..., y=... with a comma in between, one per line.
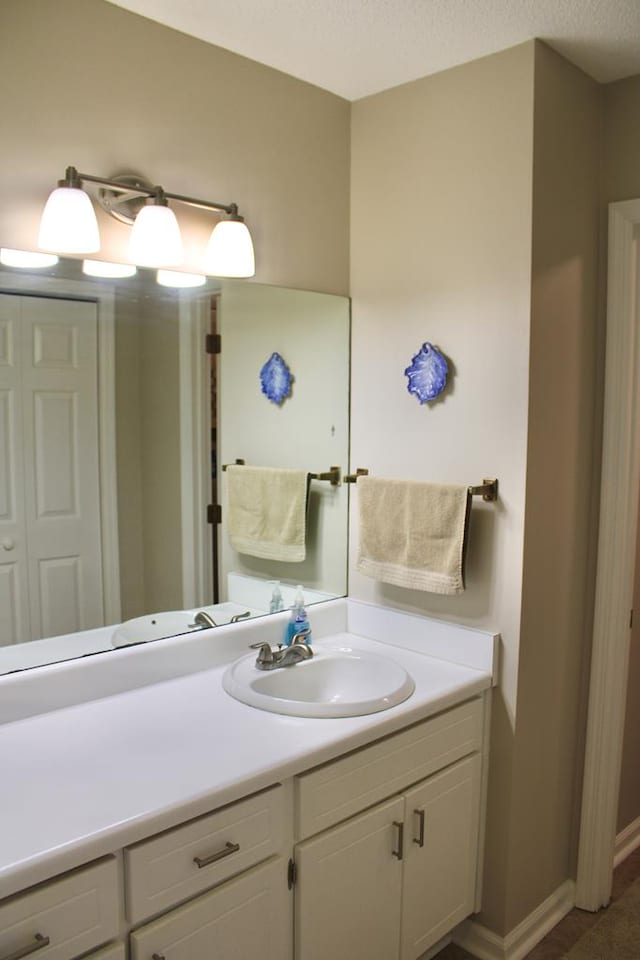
x=174, y=278
x=69, y=224
x=26, y=259
x=111, y=271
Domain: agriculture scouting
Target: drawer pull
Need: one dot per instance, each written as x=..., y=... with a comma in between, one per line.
x=398, y=852
x=40, y=942
x=420, y=839
x=228, y=849
x=157, y=956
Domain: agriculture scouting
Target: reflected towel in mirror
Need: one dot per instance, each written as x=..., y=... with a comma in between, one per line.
x=413, y=534
x=267, y=512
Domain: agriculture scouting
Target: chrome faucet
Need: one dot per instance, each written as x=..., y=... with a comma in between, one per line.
x=240, y=616
x=203, y=620
x=269, y=659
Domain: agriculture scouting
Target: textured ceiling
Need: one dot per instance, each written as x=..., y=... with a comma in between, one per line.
x=358, y=47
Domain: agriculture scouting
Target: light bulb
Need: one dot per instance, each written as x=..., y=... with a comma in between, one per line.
x=26, y=259
x=69, y=223
x=101, y=268
x=230, y=250
x=155, y=238
x=174, y=278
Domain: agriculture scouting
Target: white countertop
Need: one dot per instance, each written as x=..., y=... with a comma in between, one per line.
x=85, y=780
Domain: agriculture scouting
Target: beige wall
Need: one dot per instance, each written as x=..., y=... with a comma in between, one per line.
x=565, y=384
x=88, y=84
x=621, y=181
x=441, y=251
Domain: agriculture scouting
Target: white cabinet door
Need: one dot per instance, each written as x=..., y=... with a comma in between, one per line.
x=348, y=889
x=245, y=918
x=50, y=551
x=441, y=843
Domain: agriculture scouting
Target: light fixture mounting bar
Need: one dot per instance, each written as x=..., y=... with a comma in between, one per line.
x=229, y=208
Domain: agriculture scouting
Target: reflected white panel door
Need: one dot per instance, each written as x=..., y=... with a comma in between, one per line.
x=56, y=341
x=14, y=611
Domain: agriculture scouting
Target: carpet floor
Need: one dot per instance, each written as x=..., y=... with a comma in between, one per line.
x=611, y=934
x=616, y=934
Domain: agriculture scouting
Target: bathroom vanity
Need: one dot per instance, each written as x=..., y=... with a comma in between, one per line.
x=168, y=820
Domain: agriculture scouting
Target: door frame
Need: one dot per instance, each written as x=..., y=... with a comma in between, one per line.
x=104, y=298
x=615, y=565
x=195, y=452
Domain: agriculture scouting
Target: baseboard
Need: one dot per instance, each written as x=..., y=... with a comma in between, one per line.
x=485, y=945
x=627, y=841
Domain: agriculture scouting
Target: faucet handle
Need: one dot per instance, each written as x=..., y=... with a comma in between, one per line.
x=301, y=637
x=266, y=653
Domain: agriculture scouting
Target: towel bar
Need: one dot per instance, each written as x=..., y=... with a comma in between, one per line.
x=488, y=489
x=333, y=474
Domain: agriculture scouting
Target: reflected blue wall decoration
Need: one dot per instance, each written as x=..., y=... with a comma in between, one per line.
x=427, y=373
x=276, y=379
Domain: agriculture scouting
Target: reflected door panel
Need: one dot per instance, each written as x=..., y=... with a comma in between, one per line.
x=53, y=399
x=14, y=612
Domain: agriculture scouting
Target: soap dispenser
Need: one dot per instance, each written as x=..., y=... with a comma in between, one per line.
x=277, y=603
x=298, y=621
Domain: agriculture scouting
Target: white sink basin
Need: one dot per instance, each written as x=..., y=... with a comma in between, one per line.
x=336, y=682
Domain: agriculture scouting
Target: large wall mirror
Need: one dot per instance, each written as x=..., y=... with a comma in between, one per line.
x=115, y=424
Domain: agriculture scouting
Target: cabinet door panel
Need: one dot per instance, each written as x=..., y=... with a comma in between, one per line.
x=347, y=901
x=439, y=875
x=244, y=918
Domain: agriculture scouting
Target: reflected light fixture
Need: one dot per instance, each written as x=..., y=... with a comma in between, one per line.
x=26, y=259
x=174, y=278
x=69, y=224
x=112, y=271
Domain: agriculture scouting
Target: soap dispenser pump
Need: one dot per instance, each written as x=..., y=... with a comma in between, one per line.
x=298, y=621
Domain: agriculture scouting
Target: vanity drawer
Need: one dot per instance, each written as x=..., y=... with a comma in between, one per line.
x=339, y=789
x=115, y=951
x=246, y=918
x=75, y=912
x=164, y=871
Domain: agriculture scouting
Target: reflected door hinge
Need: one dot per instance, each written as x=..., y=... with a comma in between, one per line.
x=212, y=343
x=214, y=513
x=631, y=620
x=292, y=874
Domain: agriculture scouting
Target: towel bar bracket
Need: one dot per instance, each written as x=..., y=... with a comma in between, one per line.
x=353, y=477
x=333, y=475
x=236, y=463
x=488, y=490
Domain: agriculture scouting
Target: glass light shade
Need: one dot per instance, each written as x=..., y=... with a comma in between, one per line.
x=26, y=259
x=230, y=251
x=114, y=271
x=174, y=278
x=155, y=238
x=69, y=223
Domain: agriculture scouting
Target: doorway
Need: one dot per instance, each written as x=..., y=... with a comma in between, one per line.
x=615, y=570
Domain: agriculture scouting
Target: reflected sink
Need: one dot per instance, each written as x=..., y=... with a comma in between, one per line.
x=337, y=682
x=171, y=623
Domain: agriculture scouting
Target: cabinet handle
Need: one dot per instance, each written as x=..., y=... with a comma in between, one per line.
x=228, y=849
x=420, y=839
x=398, y=852
x=40, y=942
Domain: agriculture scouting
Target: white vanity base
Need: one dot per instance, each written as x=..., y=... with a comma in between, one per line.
x=138, y=741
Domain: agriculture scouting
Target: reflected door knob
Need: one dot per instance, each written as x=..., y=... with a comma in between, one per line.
x=8, y=543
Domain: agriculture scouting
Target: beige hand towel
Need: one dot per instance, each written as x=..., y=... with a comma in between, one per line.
x=413, y=534
x=267, y=512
